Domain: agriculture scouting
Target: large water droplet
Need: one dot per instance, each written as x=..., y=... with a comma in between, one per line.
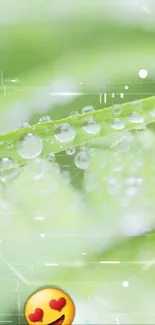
x=44, y=119
x=88, y=109
x=8, y=169
x=70, y=151
x=92, y=127
x=118, y=124
x=117, y=109
x=136, y=118
x=65, y=132
x=82, y=160
x=30, y=146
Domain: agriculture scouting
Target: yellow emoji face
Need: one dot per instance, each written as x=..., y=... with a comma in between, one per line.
x=49, y=307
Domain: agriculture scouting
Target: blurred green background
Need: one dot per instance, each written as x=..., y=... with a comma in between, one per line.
x=90, y=232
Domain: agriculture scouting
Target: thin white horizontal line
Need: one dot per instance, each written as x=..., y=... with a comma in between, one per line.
x=110, y=262
x=51, y=264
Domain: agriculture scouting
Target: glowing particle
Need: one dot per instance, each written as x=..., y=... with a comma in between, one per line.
x=143, y=73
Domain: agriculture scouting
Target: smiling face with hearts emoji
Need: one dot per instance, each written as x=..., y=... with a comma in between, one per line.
x=49, y=307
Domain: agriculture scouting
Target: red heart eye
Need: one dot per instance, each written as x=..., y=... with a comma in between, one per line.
x=36, y=316
x=58, y=304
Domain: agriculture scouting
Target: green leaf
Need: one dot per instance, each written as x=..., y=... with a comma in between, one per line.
x=105, y=117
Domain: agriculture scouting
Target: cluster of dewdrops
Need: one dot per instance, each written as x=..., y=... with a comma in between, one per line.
x=31, y=145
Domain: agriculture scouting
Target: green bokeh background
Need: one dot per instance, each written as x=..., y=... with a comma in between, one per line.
x=57, y=57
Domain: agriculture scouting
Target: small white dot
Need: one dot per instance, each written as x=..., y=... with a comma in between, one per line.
x=125, y=284
x=126, y=87
x=42, y=235
x=143, y=73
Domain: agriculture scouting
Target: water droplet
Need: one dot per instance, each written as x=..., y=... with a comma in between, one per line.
x=9, y=169
x=83, y=148
x=92, y=127
x=82, y=160
x=65, y=132
x=117, y=109
x=118, y=124
x=30, y=146
x=136, y=118
x=51, y=157
x=126, y=87
x=70, y=151
x=88, y=109
x=44, y=119
x=24, y=125
x=138, y=181
x=74, y=113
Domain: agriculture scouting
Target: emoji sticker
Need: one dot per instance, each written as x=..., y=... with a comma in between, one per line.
x=49, y=307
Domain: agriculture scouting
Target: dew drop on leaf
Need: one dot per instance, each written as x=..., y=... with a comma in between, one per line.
x=88, y=109
x=117, y=109
x=118, y=124
x=30, y=146
x=136, y=118
x=92, y=127
x=65, y=132
x=82, y=160
x=74, y=113
x=44, y=119
x=51, y=157
x=24, y=125
x=9, y=169
x=70, y=151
